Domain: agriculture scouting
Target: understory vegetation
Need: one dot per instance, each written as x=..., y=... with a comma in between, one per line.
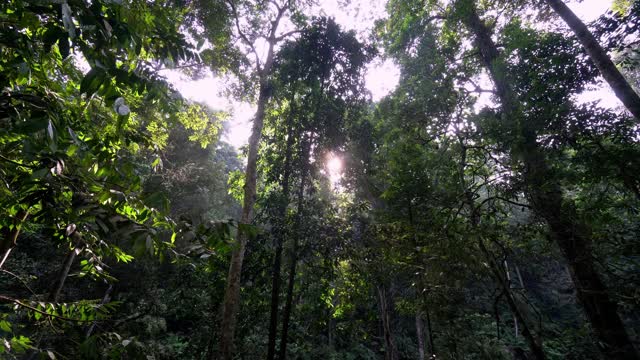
x=483, y=209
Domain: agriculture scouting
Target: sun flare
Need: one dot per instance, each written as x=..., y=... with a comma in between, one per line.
x=334, y=169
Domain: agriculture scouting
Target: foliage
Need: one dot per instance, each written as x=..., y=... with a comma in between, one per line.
x=120, y=203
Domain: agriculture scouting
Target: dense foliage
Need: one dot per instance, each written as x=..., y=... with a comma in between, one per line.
x=481, y=210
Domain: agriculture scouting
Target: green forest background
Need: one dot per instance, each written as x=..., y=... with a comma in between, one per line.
x=507, y=228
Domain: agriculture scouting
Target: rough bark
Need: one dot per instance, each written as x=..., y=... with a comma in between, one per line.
x=278, y=239
x=231, y=302
x=286, y=316
x=600, y=58
x=546, y=198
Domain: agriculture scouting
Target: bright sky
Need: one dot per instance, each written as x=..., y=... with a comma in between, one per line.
x=381, y=77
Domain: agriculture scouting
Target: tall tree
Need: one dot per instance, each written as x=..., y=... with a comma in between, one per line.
x=600, y=58
x=320, y=77
x=255, y=21
x=545, y=195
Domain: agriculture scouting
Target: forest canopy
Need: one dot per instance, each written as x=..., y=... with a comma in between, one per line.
x=482, y=209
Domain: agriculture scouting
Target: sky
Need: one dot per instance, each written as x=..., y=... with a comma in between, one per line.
x=381, y=77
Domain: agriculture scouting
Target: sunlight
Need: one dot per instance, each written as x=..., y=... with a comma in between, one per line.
x=334, y=169
x=381, y=77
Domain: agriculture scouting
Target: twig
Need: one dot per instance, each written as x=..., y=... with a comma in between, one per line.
x=15, y=162
x=22, y=281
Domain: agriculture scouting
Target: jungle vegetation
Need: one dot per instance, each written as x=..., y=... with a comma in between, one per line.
x=480, y=210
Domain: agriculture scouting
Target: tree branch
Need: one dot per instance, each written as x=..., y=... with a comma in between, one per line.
x=242, y=35
x=27, y=306
x=287, y=34
x=15, y=162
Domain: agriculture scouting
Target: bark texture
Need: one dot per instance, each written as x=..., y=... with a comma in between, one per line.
x=545, y=195
x=600, y=58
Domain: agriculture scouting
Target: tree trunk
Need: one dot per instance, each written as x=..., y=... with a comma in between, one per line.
x=331, y=326
x=432, y=347
x=54, y=295
x=516, y=331
x=532, y=341
x=279, y=235
x=600, y=58
x=420, y=335
x=304, y=163
x=231, y=302
x=390, y=351
x=419, y=322
x=545, y=196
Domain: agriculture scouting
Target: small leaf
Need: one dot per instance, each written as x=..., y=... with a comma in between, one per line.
x=92, y=81
x=5, y=326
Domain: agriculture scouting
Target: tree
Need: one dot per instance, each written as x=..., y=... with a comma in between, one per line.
x=572, y=236
x=264, y=20
x=319, y=78
x=78, y=134
x=600, y=58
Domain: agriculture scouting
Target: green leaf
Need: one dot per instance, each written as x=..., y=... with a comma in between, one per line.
x=5, y=326
x=92, y=81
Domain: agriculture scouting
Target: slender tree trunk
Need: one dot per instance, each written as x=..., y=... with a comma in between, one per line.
x=532, y=341
x=54, y=295
x=297, y=233
x=390, y=351
x=279, y=235
x=420, y=335
x=600, y=58
x=331, y=326
x=518, y=317
x=507, y=273
x=545, y=195
x=231, y=302
x=419, y=320
x=432, y=347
